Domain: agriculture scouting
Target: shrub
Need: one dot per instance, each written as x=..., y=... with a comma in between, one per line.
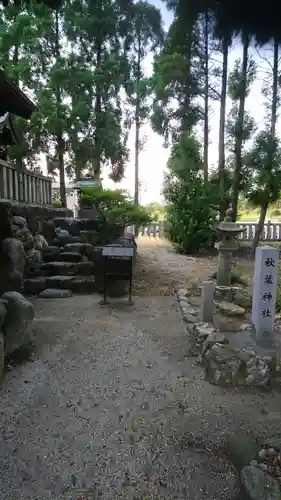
x=114, y=206
x=192, y=206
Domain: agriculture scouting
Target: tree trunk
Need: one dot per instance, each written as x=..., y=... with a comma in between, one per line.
x=222, y=124
x=78, y=167
x=137, y=134
x=259, y=229
x=274, y=91
x=98, y=110
x=186, y=122
x=60, y=156
x=137, y=121
x=240, y=123
x=19, y=159
x=59, y=135
x=206, y=96
x=272, y=136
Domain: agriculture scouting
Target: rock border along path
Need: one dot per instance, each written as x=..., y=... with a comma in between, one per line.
x=228, y=358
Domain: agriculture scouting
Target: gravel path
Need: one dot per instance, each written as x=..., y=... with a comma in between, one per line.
x=160, y=269
x=110, y=406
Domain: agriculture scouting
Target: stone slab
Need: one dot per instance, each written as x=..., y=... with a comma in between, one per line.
x=59, y=282
x=68, y=268
x=70, y=256
x=53, y=293
x=33, y=286
x=83, y=284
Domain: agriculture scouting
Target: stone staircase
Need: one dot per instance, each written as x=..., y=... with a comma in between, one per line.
x=69, y=265
x=63, y=269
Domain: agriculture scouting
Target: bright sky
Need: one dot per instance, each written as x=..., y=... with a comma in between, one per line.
x=153, y=158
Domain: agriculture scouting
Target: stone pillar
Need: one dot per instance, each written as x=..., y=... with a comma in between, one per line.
x=224, y=268
x=264, y=294
x=207, y=301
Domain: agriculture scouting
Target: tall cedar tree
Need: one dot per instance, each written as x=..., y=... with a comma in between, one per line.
x=146, y=35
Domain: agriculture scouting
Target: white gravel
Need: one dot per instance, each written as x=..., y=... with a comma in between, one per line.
x=111, y=406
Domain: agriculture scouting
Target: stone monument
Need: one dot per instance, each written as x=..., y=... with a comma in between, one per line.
x=227, y=244
x=264, y=294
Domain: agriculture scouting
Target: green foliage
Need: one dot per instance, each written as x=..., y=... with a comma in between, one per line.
x=156, y=211
x=235, y=277
x=73, y=66
x=192, y=206
x=263, y=162
x=56, y=199
x=275, y=212
x=115, y=206
x=234, y=129
x=278, y=295
x=241, y=449
x=177, y=83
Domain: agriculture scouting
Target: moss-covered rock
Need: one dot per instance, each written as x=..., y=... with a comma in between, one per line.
x=241, y=449
x=229, y=366
x=259, y=485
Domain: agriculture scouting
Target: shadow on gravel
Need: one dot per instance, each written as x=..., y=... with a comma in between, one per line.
x=21, y=356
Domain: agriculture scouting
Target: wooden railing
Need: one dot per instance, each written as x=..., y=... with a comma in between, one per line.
x=23, y=186
x=271, y=231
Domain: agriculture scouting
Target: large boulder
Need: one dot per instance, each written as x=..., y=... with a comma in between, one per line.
x=12, y=265
x=259, y=485
x=230, y=309
x=19, y=222
x=33, y=264
x=34, y=256
x=25, y=236
x=48, y=230
x=229, y=366
x=20, y=314
x=40, y=242
x=3, y=312
x=63, y=237
x=2, y=355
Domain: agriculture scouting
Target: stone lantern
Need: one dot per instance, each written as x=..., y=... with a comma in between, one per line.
x=227, y=244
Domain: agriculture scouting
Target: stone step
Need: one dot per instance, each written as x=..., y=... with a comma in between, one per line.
x=67, y=268
x=84, y=249
x=77, y=284
x=33, y=286
x=51, y=254
x=71, y=257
